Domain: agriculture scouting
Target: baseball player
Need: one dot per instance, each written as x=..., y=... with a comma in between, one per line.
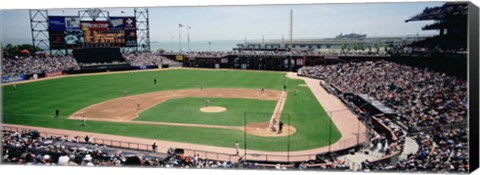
x=237, y=147
x=207, y=101
x=274, y=125
x=154, y=147
x=84, y=121
x=280, y=127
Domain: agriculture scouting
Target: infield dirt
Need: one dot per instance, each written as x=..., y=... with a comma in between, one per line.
x=127, y=108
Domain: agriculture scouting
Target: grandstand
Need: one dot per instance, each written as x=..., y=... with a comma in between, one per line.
x=409, y=106
x=451, y=21
x=424, y=84
x=34, y=66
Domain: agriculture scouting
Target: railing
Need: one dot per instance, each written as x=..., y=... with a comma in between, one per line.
x=342, y=145
x=46, y=134
x=210, y=155
x=387, y=158
x=122, y=144
x=106, y=142
x=391, y=138
x=337, y=88
x=379, y=125
x=353, y=165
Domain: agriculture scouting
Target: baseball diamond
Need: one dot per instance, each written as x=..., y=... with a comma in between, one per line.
x=170, y=111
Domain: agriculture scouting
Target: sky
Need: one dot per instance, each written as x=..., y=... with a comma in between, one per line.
x=209, y=23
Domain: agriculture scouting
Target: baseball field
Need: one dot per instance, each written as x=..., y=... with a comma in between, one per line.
x=132, y=104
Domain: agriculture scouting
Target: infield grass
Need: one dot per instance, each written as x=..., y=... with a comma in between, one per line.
x=34, y=104
x=187, y=110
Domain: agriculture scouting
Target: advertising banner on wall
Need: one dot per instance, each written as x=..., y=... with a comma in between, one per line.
x=224, y=60
x=53, y=74
x=116, y=23
x=129, y=23
x=67, y=32
x=56, y=23
x=57, y=39
x=299, y=61
x=72, y=23
x=130, y=38
x=74, y=37
x=179, y=58
x=94, y=25
x=7, y=79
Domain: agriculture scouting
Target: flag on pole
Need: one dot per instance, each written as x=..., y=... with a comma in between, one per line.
x=179, y=37
x=188, y=33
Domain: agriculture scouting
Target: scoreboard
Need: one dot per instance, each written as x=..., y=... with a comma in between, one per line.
x=70, y=32
x=104, y=36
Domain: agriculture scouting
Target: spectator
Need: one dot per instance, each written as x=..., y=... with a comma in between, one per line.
x=31, y=65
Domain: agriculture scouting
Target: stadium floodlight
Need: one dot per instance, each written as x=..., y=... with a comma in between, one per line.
x=358, y=126
x=330, y=127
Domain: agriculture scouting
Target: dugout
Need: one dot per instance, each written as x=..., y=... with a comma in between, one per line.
x=373, y=106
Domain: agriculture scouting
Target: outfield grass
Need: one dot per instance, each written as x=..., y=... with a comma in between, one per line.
x=187, y=110
x=34, y=104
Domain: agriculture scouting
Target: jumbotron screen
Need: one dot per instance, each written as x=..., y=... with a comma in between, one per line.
x=70, y=32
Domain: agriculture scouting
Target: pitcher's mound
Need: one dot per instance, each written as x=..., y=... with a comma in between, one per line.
x=261, y=129
x=213, y=109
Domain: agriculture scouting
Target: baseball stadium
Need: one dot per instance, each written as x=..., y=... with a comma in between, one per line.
x=99, y=95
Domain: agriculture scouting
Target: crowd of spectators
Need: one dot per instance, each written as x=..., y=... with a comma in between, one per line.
x=435, y=44
x=32, y=64
x=209, y=54
x=144, y=59
x=30, y=148
x=440, y=150
x=422, y=98
x=397, y=141
x=182, y=161
x=26, y=64
x=295, y=52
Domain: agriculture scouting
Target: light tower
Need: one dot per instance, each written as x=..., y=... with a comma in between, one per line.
x=291, y=40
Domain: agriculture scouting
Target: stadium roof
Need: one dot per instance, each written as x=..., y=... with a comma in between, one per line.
x=441, y=12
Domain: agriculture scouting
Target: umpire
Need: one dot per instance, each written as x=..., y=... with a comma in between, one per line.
x=57, y=113
x=280, y=127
